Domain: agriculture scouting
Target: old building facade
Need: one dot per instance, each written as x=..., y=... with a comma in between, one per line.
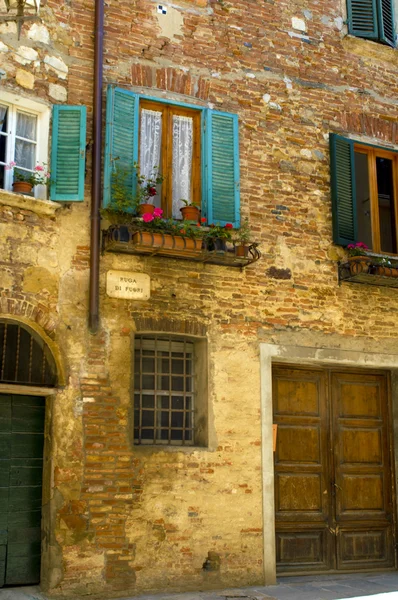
x=279, y=341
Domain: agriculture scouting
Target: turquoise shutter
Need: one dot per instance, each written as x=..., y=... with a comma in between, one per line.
x=362, y=18
x=68, y=153
x=121, y=148
x=221, y=202
x=386, y=20
x=342, y=167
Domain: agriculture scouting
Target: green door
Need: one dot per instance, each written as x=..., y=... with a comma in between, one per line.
x=21, y=468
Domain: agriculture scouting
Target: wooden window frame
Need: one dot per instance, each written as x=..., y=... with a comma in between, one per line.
x=372, y=154
x=166, y=162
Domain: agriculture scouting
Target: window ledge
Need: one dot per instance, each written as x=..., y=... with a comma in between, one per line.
x=154, y=448
x=40, y=207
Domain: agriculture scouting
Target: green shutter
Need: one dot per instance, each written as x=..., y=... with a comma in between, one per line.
x=342, y=167
x=121, y=150
x=386, y=20
x=362, y=18
x=68, y=153
x=221, y=203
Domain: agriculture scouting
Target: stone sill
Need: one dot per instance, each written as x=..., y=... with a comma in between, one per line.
x=40, y=207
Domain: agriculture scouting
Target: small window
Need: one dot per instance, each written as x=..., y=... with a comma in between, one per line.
x=372, y=19
x=170, y=142
x=364, y=192
x=19, y=141
x=168, y=400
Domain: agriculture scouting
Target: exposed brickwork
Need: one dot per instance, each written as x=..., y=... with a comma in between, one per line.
x=135, y=519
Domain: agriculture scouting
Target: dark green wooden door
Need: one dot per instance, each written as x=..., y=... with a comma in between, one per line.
x=21, y=467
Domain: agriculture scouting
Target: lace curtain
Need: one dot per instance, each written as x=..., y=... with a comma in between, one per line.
x=3, y=128
x=150, y=145
x=25, y=151
x=182, y=161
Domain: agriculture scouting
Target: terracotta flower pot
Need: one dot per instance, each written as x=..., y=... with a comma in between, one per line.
x=359, y=264
x=241, y=250
x=22, y=187
x=190, y=213
x=146, y=208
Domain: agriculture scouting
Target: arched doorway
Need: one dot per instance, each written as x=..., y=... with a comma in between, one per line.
x=26, y=365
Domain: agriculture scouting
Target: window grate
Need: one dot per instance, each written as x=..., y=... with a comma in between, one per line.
x=24, y=357
x=163, y=391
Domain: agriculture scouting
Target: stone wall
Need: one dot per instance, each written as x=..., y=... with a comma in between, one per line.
x=122, y=518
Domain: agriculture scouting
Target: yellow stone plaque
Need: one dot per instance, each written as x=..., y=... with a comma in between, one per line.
x=127, y=285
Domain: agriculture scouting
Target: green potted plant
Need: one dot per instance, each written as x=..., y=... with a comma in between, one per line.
x=25, y=181
x=124, y=204
x=358, y=258
x=241, y=239
x=190, y=211
x=146, y=189
x=217, y=236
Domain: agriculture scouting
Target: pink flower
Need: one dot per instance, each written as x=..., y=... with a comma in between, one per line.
x=38, y=168
x=48, y=175
x=147, y=217
x=157, y=212
x=10, y=166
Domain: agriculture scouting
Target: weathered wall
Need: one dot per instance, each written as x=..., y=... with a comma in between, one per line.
x=122, y=518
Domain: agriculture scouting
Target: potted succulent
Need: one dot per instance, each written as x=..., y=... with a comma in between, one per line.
x=190, y=211
x=241, y=239
x=25, y=181
x=358, y=259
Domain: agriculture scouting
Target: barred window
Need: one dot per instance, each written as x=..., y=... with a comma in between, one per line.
x=164, y=393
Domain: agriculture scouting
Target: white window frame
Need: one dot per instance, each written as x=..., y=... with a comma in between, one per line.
x=42, y=112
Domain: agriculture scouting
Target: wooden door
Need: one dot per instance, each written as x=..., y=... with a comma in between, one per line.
x=362, y=472
x=21, y=467
x=333, y=483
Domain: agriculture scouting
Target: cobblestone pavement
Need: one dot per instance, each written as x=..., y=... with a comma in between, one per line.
x=369, y=586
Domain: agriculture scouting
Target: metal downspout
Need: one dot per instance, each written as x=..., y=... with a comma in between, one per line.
x=96, y=169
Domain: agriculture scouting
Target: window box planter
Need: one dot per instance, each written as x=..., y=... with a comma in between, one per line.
x=368, y=272
x=165, y=240
x=127, y=239
x=359, y=264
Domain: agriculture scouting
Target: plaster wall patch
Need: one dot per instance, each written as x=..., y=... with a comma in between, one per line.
x=170, y=20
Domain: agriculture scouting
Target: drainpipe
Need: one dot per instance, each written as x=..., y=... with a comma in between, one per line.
x=93, y=319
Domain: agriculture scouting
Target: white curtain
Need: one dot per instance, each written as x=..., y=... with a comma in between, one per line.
x=150, y=146
x=182, y=161
x=25, y=152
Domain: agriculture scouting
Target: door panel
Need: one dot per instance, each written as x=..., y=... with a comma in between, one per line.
x=21, y=466
x=301, y=486
x=307, y=549
x=333, y=484
x=362, y=475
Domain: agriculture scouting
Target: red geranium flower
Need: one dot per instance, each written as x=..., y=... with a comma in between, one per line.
x=152, y=191
x=229, y=226
x=203, y=220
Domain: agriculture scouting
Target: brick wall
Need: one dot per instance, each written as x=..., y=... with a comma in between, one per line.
x=140, y=519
